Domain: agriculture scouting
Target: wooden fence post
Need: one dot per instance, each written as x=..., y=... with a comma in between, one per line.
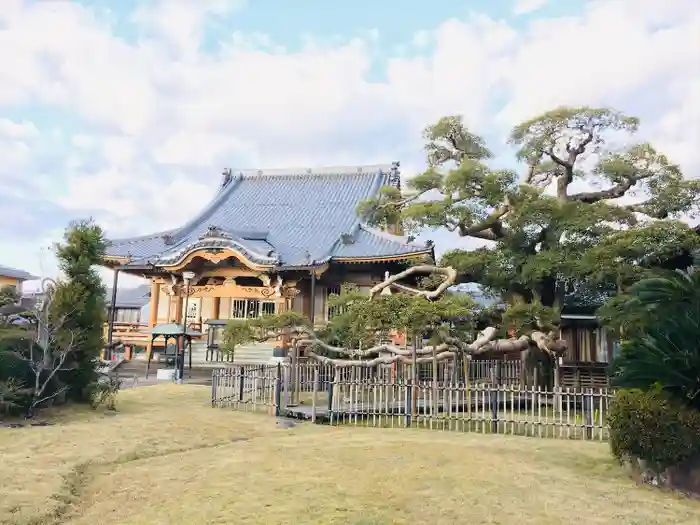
x=332, y=392
x=494, y=397
x=314, y=395
x=214, y=384
x=588, y=412
x=241, y=382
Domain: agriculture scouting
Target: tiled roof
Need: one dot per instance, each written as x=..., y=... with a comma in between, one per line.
x=13, y=273
x=280, y=218
x=365, y=240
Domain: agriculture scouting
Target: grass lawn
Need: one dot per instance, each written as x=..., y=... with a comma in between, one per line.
x=167, y=458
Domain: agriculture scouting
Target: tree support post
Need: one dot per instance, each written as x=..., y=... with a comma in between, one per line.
x=409, y=408
x=278, y=390
x=314, y=395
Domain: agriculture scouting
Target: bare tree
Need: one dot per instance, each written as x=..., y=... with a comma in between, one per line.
x=44, y=358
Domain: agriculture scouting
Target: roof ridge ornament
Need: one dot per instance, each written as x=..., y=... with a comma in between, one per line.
x=227, y=177
x=215, y=232
x=347, y=238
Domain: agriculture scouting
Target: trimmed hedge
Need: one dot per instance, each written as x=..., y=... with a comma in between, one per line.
x=652, y=427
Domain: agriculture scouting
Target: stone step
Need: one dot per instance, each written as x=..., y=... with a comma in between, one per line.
x=245, y=355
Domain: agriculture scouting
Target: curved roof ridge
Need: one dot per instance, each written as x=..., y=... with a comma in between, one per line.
x=180, y=252
x=361, y=169
x=221, y=195
x=148, y=236
x=208, y=209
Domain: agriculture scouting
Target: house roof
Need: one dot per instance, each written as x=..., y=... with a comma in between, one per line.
x=130, y=297
x=280, y=219
x=20, y=275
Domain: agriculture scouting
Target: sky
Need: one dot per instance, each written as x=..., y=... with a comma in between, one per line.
x=127, y=112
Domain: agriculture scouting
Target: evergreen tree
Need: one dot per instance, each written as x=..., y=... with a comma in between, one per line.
x=545, y=245
x=77, y=312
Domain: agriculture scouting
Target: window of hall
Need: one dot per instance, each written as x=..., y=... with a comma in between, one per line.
x=332, y=311
x=251, y=308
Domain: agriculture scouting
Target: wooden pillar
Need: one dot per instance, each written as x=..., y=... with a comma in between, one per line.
x=155, y=299
x=171, y=316
x=216, y=310
x=153, y=311
x=177, y=317
x=312, y=308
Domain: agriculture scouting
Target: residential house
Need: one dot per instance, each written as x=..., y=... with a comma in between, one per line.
x=15, y=278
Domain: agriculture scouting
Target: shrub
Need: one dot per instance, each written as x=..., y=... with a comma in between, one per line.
x=14, y=397
x=104, y=393
x=16, y=375
x=666, y=356
x=663, y=351
x=653, y=427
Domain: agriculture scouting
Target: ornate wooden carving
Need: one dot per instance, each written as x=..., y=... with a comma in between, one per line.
x=264, y=291
x=213, y=257
x=320, y=270
x=290, y=292
x=229, y=289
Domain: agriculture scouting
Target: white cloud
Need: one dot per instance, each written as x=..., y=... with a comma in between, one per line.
x=18, y=130
x=523, y=7
x=161, y=118
x=596, y=59
x=178, y=24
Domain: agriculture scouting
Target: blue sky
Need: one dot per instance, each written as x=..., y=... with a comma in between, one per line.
x=125, y=111
x=289, y=21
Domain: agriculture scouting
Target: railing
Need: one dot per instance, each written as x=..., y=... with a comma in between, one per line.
x=475, y=371
x=372, y=397
x=558, y=412
x=128, y=333
x=251, y=388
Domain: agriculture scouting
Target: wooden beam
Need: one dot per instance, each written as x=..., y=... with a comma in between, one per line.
x=231, y=272
x=226, y=273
